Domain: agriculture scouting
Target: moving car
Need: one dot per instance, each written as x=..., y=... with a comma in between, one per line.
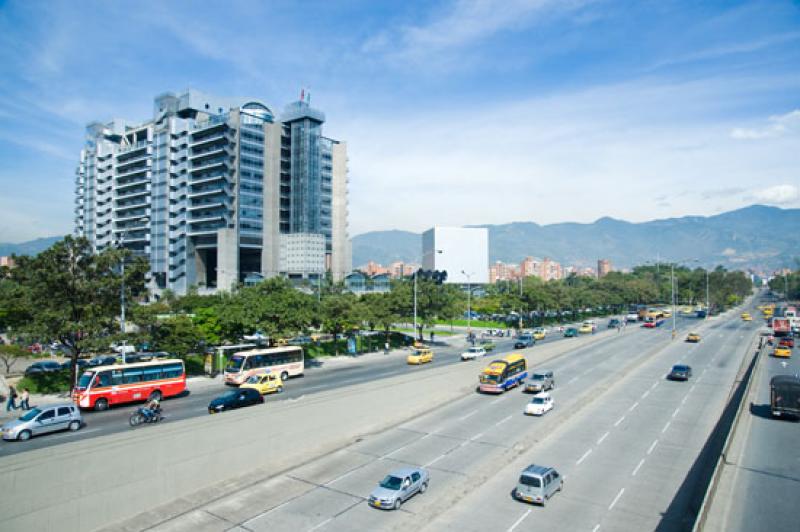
x=613, y=323
x=693, y=337
x=399, y=486
x=631, y=317
x=680, y=372
x=539, y=333
x=264, y=383
x=420, y=356
x=45, y=366
x=586, y=328
x=233, y=399
x=746, y=316
x=537, y=484
x=43, y=419
x=103, y=360
x=525, y=340
x=540, y=381
x=81, y=363
x=570, y=332
x=540, y=404
x=781, y=351
x=473, y=352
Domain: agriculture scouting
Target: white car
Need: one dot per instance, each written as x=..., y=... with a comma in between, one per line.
x=632, y=317
x=540, y=404
x=472, y=353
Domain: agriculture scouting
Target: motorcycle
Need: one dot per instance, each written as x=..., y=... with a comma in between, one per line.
x=145, y=415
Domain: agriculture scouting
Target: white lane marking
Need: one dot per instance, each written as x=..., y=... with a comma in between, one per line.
x=325, y=522
x=616, y=498
x=596, y=527
x=654, y=385
x=633, y=407
x=645, y=394
x=619, y=421
x=518, y=521
x=692, y=388
x=502, y=398
x=468, y=415
x=683, y=401
x=340, y=477
x=652, y=446
x=637, y=467
x=476, y=436
x=503, y=420
x=582, y=458
x=665, y=427
x=675, y=413
x=434, y=460
x=603, y=437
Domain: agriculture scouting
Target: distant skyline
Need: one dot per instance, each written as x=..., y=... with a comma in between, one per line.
x=455, y=113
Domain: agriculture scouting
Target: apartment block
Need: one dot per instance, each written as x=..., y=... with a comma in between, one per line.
x=212, y=192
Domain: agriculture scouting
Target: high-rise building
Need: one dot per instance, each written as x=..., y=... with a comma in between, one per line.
x=213, y=192
x=603, y=267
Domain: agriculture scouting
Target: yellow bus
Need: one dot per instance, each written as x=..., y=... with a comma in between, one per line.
x=504, y=373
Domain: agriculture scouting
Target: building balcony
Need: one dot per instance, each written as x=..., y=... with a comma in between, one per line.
x=209, y=179
x=222, y=148
x=209, y=191
x=133, y=216
x=127, y=194
x=142, y=144
x=135, y=157
x=219, y=162
x=133, y=170
x=212, y=204
x=136, y=204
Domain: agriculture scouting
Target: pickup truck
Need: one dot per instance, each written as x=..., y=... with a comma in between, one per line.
x=784, y=396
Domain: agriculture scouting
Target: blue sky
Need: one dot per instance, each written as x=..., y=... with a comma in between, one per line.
x=455, y=112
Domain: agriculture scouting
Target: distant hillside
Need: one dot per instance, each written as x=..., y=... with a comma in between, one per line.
x=32, y=247
x=757, y=236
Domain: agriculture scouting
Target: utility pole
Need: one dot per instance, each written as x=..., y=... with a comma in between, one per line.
x=469, y=303
x=708, y=309
x=672, y=283
x=416, y=274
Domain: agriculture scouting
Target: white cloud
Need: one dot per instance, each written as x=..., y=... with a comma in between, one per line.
x=778, y=195
x=778, y=126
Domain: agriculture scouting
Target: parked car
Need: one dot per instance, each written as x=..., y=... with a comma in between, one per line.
x=103, y=360
x=420, y=356
x=399, y=486
x=44, y=419
x=45, y=366
x=264, y=383
x=81, y=363
x=570, y=332
x=540, y=404
x=537, y=484
x=693, y=337
x=540, y=381
x=233, y=399
x=473, y=352
x=680, y=372
x=525, y=340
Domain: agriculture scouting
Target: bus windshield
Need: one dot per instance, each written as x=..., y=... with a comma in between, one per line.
x=494, y=379
x=85, y=380
x=235, y=363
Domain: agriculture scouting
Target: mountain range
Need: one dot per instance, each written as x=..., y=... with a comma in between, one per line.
x=758, y=237
x=31, y=247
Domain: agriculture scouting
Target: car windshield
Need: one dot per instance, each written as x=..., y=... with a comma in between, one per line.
x=235, y=363
x=537, y=401
x=254, y=379
x=391, y=482
x=530, y=481
x=474, y=349
x=230, y=394
x=85, y=379
x=30, y=414
x=680, y=368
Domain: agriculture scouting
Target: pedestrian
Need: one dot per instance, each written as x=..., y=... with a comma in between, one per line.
x=386, y=348
x=431, y=336
x=24, y=398
x=12, y=399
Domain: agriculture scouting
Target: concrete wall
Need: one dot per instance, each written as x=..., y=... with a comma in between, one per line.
x=98, y=482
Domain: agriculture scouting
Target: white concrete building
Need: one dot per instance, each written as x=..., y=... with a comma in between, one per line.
x=460, y=251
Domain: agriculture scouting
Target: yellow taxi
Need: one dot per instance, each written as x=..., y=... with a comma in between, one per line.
x=768, y=312
x=782, y=351
x=420, y=356
x=586, y=328
x=539, y=333
x=264, y=383
x=693, y=337
x=746, y=316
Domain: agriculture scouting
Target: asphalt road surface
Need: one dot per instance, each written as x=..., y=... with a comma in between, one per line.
x=613, y=409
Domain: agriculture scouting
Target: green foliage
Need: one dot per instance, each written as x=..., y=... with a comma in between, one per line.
x=52, y=382
x=179, y=335
x=9, y=354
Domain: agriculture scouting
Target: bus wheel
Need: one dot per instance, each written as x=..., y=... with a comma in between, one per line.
x=155, y=395
x=101, y=404
x=285, y=376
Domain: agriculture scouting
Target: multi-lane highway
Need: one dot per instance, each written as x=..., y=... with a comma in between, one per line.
x=618, y=427
x=760, y=478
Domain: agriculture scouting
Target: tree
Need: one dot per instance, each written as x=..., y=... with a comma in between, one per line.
x=73, y=294
x=9, y=354
x=179, y=335
x=341, y=312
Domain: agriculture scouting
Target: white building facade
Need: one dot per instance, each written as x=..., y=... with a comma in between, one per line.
x=463, y=252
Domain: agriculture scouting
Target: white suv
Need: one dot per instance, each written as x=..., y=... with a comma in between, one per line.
x=472, y=353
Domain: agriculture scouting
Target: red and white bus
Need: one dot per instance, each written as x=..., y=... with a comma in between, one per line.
x=285, y=361
x=103, y=386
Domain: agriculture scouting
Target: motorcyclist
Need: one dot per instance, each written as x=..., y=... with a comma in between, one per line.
x=153, y=408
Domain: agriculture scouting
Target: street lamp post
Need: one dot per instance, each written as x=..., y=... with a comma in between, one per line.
x=672, y=284
x=708, y=309
x=416, y=274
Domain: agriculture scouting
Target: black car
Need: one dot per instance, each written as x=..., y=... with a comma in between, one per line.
x=103, y=360
x=235, y=399
x=81, y=364
x=525, y=340
x=680, y=372
x=46, y=366
x=613, y=323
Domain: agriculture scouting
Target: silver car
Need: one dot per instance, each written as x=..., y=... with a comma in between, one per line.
x=537, y=484
x=398, y=487
x=42, y=420
x=540, y=381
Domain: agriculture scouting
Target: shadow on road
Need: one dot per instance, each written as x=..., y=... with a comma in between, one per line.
x=765, y=411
